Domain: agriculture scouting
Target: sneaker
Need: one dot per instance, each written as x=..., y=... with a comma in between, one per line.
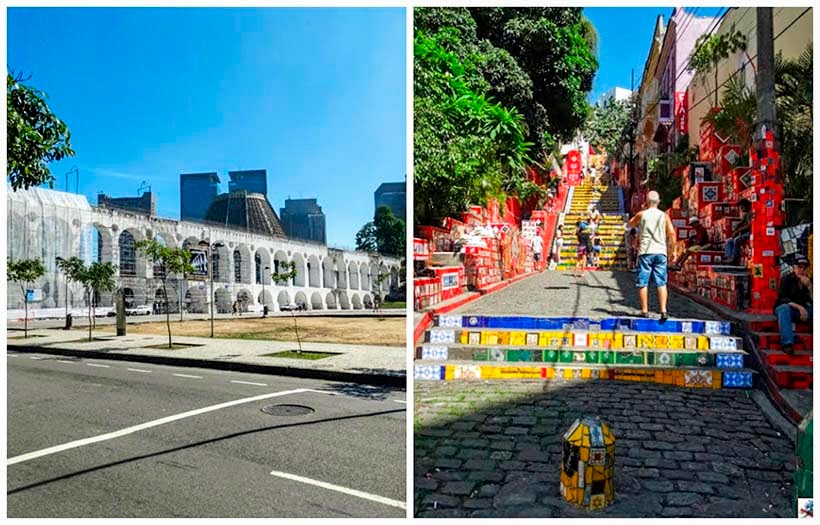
x=664, y=317
x=645, y=315
x=788, y=349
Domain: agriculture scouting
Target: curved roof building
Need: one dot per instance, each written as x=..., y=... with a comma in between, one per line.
x=246, y=211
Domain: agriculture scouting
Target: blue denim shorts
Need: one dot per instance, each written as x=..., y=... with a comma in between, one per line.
x=651, y=264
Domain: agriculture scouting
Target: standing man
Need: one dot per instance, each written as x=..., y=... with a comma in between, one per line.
x=537, y=249
x=793, y=301
x=655, y=228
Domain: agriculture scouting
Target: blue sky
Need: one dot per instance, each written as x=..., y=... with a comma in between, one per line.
x=315, y=96
x=624, y=38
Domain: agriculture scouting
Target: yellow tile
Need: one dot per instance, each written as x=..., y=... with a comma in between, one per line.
x=586, y=373
x=464, y=338
x=490, y=372
x=646, y=340
x=703, y=343
x=584, y=454
x=543, y=339
x=717, y=379
x=550, y=373
x=567, y=373
x=676, y=342
x=449, y=372
x=661, y=341
x=587, y=476
x=518, y=338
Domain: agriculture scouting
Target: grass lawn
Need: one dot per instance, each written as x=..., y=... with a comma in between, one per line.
x=294, y=354
x=394, y=306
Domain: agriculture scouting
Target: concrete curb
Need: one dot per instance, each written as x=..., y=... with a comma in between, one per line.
x=308, y=373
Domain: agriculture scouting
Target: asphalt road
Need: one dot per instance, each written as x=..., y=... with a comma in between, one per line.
x=345, y=459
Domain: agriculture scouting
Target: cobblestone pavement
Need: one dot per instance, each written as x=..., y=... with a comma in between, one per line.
x=596, y=294
x=488, y=449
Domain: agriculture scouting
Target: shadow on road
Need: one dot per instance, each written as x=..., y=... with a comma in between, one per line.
x=197, y=444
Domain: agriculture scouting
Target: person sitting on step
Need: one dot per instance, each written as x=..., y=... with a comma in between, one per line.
x=794, y=302
x=741, y=234
x=698, y=240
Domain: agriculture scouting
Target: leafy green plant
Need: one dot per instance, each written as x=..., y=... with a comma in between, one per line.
x=711, y=49
x=287, y=272
x=169, y=260
x=24, y=272
x=35, y=135
x=97, y=278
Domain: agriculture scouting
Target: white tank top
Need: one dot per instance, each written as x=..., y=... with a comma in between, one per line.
x=652, y=232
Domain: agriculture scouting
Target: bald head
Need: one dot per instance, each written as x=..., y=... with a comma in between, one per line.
x=652, y=198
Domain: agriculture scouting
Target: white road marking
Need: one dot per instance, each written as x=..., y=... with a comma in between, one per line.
x=64, y=361
x=186, y=375
x=248, y=383
x=35, y=358
x=150, y=424
x=98, y=366
x=343, y=490
x=400, y=401
x=139, y=370
x=12, y=355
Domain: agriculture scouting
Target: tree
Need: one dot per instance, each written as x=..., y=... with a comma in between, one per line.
x=24, y=272
x=73, y=269
x=710, y=49
x=97, y=278
x=170, y=260
x=609, y=125
x=287, y=273
x=366, y=238
x=35, y=136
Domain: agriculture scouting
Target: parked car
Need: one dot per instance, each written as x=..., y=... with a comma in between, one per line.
x=138, y=310
x=293, y=307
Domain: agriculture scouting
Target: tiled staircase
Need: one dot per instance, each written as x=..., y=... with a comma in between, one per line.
x=792, y=372
x=611, y=228
x=688, y=353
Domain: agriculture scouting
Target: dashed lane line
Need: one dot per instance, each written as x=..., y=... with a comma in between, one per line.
x=248, y=383
x=343, y=490
x=36, y=358
x=400, y=401
x=150, y=424
x=64, y=361
x=98, y=365
x=139, y=370
x=186, y=375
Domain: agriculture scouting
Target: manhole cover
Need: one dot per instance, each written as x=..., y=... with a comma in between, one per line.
x=287, y=410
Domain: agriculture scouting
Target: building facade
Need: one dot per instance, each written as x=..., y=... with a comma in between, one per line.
x=146, y=203
x=303, y=219
x=394, y=196
x=252, y=181
x=196, y=192
x=46, y=224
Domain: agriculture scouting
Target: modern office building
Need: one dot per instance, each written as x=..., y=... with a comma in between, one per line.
x=394, y=196
x=196, y=192
x=303, y=219
x=252, y=181
x=147, y=203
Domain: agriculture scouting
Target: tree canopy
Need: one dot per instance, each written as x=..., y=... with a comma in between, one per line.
x=610, y=125
x=384, y=234
x=35, y=136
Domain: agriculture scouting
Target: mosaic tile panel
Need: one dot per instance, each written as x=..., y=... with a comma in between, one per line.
x=428, y=372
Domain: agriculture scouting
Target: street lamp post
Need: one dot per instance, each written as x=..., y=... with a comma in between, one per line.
x=264, y=302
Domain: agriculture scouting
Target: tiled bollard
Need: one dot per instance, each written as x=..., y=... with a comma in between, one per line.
x=588, y=464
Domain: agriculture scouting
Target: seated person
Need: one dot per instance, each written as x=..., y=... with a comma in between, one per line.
x=594, y=217
x=740, y=235
x=794, y=299
x=697, y=241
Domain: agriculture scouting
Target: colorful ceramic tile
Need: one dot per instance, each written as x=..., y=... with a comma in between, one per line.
x=434, y=353
x=737, y=379
x=676, y=342
x=630, y=341
x=449, y=321
x=646, y=341
x=532, y=339
x=730, y=360
x=497, y=354
x=697, y=378
x=428, y=372
x=565, y=356
x=474, y=338
x=520, y=355
x=551, y=356
x=579, y=339
x=686, y=327
x=591, y=356
x=442, y=336
x=467, y=372
x=474, y=322
x=518, y=338
x=690, y=343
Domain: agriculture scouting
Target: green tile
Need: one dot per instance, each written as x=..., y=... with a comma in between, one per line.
x=606, y=357
x=628, y=358
x=565, y=356
x=592, y=356
x=696, y=359
x=551, y=356
x=481, y=354
x=520, y=356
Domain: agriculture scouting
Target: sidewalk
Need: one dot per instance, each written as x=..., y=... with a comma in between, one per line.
x=379, y=365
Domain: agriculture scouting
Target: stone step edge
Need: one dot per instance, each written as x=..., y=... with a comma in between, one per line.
x=437, y=328
x=578, y=364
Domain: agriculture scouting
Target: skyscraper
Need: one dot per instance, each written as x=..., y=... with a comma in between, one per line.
x=252, y=181
x=303, y=219
x=394, y=196
x=196, y=192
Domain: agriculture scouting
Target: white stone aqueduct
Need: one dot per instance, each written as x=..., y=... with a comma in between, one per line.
x=47, y=224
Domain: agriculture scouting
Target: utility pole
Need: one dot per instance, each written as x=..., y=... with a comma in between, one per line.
x=764, y=84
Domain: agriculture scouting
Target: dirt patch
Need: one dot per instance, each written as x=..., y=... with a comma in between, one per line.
x=389, y=331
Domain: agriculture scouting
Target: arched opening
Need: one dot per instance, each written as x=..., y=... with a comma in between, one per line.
x=196, y=300
x=159, y=268
x=364, y=275
x=257, y=259
x=328, y=274
x=344, y=301
x=341, y=273
x=331, y=301
x=353, y=272
x=237, y=266
x=384, y=275
x=224, y=304
x=244, y=300
x=280, y=264
x=314, y=272
x=128, y=254
x=265, y=297
x=394, y=278
x=283, y=298
x=357, y=302
x=127, y=295
x=301, y=299
x=316, y=301
x=299, y=261
x=92, y=244
x=222, y=257
x=368, y=301
x=263, y=266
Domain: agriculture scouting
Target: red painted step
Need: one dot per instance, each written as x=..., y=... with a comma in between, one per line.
x=794, y=377
x=799, y=358
x=770, y=325
x=771, y=341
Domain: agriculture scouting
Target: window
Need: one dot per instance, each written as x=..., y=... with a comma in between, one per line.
x=128, y=254
x=258, y=260
x=237, y=266
x=215, y=265
x=665, y=111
